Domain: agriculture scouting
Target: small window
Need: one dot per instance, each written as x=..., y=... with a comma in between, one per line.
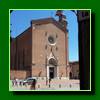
x=45, y=33
x=56, y=36
x=46, y=47
x=56, y=48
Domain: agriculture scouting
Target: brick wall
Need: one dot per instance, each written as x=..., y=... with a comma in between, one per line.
x=39, y=54
x=18, y=74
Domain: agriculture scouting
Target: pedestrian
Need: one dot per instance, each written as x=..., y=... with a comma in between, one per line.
x=20, y=83
x=33, y=85
x=70, y=85
x=12, y=82
x=16, y=82
x=49, y=82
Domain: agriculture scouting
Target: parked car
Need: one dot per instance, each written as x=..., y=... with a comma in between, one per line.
x=29, y=81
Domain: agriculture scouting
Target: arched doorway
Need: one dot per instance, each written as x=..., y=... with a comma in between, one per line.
x=52, y=68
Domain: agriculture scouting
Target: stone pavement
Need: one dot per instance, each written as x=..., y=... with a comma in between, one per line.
x=55, y=84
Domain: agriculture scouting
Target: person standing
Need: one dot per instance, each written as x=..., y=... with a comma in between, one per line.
x=33, y=85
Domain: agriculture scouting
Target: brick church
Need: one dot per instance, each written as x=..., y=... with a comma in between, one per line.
x=41, y=50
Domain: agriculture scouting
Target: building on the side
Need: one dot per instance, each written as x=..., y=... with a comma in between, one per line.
x=74, y=70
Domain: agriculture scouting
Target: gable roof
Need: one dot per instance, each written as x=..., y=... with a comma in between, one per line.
x=44, y=21
x=49, y=20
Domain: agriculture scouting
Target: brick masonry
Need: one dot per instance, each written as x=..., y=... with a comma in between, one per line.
x=31, y=51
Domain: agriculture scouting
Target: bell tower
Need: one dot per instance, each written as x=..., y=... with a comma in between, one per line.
x=62, y=19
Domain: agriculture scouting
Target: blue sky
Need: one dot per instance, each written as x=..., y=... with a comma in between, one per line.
x=20, y=20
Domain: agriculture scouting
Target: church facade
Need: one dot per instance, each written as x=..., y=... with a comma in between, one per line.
x=41, y=50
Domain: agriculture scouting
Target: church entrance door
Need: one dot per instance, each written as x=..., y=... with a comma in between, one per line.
x=51, y=72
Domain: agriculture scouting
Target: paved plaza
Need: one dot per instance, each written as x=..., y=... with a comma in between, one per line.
x=63, y=85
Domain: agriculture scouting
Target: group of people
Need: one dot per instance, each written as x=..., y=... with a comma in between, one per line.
x=17, y=82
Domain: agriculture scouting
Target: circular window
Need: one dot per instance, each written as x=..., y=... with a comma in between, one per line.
x=51, y=40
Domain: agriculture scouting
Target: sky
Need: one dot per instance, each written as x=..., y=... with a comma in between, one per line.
x=20, y=21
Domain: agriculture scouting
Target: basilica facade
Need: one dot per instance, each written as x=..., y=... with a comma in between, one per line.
x=41, y=50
